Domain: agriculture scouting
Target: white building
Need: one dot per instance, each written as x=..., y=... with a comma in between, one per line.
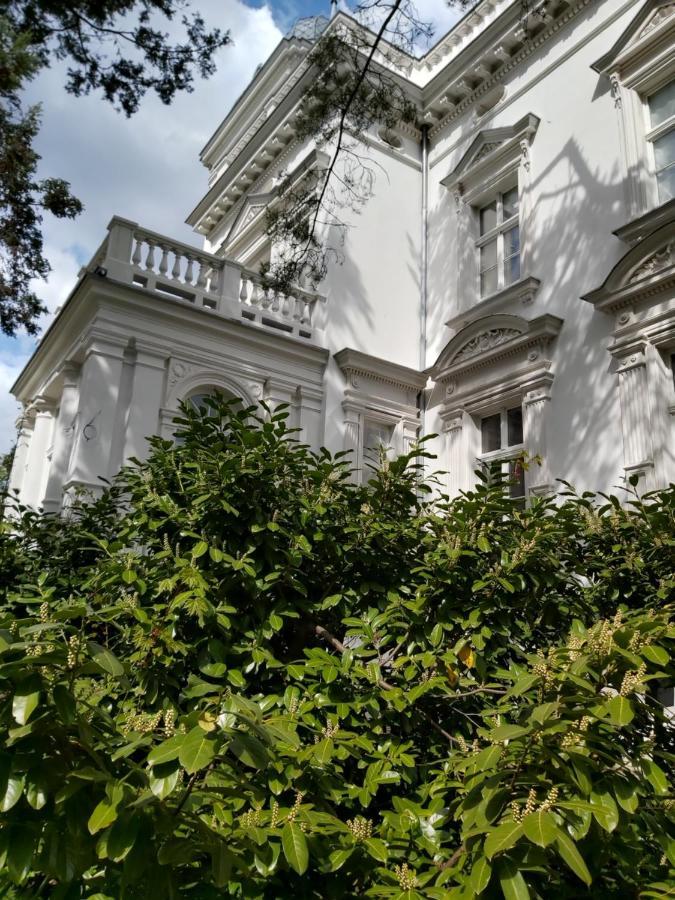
x=510, y=285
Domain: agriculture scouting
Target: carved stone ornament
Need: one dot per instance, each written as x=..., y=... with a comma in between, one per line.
x=658, y=261
x=485, y=150
x=485, y=341
x=661, y=15
x=525, y=154
x=178, y=371
x=615, y=90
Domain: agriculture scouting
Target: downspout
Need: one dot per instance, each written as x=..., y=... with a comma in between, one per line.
x=423, y=271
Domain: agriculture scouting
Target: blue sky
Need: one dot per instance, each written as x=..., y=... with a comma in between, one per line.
x=145, y=168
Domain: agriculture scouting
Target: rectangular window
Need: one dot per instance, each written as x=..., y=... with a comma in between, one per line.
x=377, y=438
x=502, y=449
x=661, y=134
x=499, y=242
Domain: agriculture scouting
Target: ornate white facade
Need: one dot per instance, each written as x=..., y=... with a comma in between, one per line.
x=510, y=285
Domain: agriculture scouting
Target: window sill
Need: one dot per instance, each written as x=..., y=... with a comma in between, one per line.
x=523, y=290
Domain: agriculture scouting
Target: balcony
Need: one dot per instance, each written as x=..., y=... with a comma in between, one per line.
x=178, y=272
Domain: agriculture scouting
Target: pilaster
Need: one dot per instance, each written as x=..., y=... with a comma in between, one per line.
x=635, y=417
x=536, y=406
x=145, y=402
x=64, y=432
x=32, y=491
x=95, y=434
x=17, y=476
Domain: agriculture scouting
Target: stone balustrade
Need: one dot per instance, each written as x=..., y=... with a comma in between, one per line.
x=178, y=271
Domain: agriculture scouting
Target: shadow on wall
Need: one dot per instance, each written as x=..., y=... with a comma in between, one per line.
x=572, y=215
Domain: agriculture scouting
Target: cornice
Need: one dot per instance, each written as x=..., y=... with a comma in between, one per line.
x=354, y=362
x=524, y=290
x=528, y=47
x=644, y=225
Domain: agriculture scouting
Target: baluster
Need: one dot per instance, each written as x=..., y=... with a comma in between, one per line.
x=214, y=281
x=287, y=308
x=201, y=278
x=304, y=314
x=175, y=271
x=266, y=298
x=297, y=309
x=277, y=299
x=136, y=258
x=189, y=273
x=164, y=261
x=243, y=291
x=150, y=258
x=258, y=294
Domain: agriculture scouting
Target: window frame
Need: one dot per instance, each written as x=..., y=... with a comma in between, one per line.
x=507, y=453
x=498, y=233
x=653, y=133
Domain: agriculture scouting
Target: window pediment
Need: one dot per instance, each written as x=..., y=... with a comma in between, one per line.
x=650, y=26
x=250, y=209
x=490, y=339
x=645, y=271
x=493, y=151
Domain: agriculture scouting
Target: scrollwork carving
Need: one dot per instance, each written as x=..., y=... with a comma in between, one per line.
x=485, y=341
x=658, y=261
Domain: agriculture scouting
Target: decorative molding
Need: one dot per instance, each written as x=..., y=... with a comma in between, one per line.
x=653, y=16
x=657, y=262
x=646, y=271
x=486, y=340
x=493, y=152
x=521, y=292
x=529, y=44
x=355, y=365
x=490, y=339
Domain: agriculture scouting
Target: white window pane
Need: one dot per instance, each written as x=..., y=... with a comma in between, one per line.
x=491, y=433
x=662, y=104
x=510, y=203
x=488, y=217
x=666, y=182
x=664, y=150
x=488, y=255
x=377, y=436
x=511, y=269
x=488, y=282
x=512, y=241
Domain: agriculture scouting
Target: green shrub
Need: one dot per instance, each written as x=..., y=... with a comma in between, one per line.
x=238, y=673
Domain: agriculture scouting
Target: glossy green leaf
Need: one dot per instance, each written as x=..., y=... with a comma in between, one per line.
x=540, y=828
x=105, y=659
x=502, y=838
x=377, y=849
x=103, y=815
x=480, y=875
x=166, y=751
x=655, y=776
x=295, y=849
x=511, y=881
x=569, y=853
x=620, y=711
x=12, y=793
x=249, y=750
x=25, y=700
x=605, y=810
x=196, y=750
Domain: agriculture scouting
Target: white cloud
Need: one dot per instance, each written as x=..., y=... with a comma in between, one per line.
x=145, y=168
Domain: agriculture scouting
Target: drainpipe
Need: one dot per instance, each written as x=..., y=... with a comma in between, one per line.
x=423, y=272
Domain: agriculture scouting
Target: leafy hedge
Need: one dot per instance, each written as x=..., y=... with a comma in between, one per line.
x=240, y=674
